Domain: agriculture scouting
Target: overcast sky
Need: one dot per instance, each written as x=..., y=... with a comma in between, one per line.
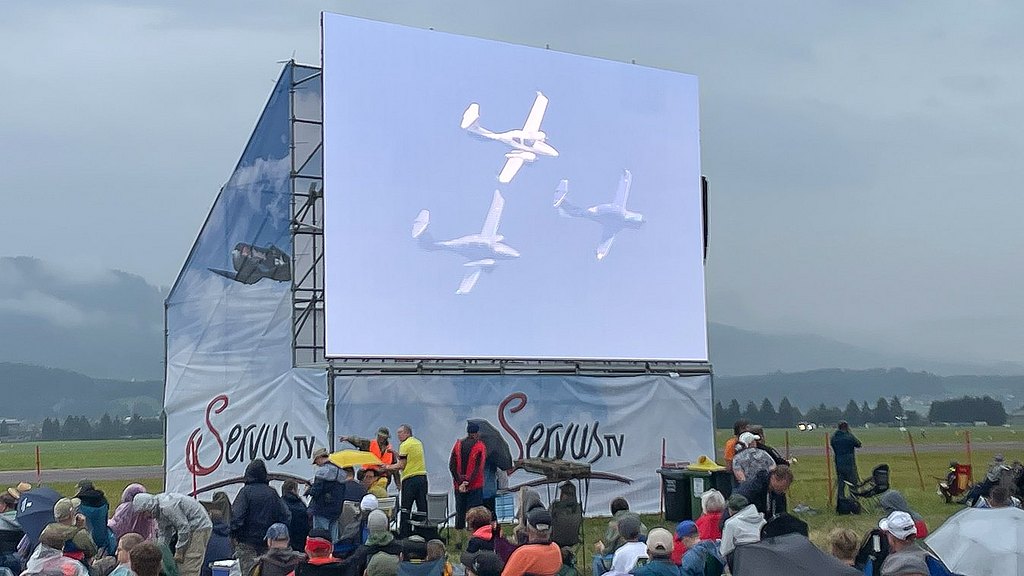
x=865, y=157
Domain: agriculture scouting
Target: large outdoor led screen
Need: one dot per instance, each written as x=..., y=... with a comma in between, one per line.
x=486, y=200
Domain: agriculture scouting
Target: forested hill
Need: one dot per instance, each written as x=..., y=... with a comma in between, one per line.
x=836, y=387
x=33, y=393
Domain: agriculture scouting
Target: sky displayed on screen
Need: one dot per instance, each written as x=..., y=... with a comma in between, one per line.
x=394, y=98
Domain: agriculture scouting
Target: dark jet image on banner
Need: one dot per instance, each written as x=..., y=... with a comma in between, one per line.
x=253, y=264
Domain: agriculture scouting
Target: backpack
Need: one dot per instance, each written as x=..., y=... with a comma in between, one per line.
x=712, y=566
x=848, y=506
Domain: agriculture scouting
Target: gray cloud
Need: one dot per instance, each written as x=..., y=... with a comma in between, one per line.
x=864, y=156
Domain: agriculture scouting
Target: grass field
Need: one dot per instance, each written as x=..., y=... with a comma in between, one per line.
x=82, y=454
x=888, y=436
x=810, y=486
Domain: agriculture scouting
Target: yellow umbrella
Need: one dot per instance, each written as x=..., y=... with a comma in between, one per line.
x=353, y=458
x=705, y=463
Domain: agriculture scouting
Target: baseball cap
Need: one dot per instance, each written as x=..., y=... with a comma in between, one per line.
x=277, y=531
x=539, y=518
x=66, y=508
x=738, y=502
x=659, y=542
x=899, y=524
x=85, y=484
x=377, y=522
x=318, y=453
x=748, y=438
x=369, y=502
x=472, y=427
x=483, y=563
x=686, y=528
x=383, y=431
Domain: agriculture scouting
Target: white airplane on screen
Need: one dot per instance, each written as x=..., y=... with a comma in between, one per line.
x=526, y=143
x=613, y=217
x=483, y=250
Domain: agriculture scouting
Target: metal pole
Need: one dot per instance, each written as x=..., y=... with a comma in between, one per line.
x=787, y=444
x=330, y=407
x=828, y=470
x=910, y=436
x=970, y=462
x=39, y=468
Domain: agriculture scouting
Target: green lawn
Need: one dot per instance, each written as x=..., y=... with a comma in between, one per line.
x=112, y=489
x=82, y=454
x=886, y=436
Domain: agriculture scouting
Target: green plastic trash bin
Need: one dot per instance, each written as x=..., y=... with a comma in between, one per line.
x=676, y=490
x=700, y=481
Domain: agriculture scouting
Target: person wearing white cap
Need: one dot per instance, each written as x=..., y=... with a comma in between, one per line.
x=905, y=557
x=750, y=459
x=659, y=550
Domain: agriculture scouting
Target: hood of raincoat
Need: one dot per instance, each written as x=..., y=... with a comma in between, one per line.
x=146, y=503
x=892, y=501
x=130, y=491
x=256, y=472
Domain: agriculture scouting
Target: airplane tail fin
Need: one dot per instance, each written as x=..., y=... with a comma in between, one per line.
x=561, y=193
x=561, y=202
x=471, y=118
x=419, y=227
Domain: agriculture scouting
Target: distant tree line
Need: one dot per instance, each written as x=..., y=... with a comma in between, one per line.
x=106, y=428
x=787, y=415
x=968, y=409
x=884, y=412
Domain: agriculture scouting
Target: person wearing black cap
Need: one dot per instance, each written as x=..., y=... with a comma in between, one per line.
x=96, y=510
x=467, y=467
x=539, y=556
x=483, y=563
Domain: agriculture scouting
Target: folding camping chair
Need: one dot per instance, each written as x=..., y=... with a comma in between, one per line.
x=387, y=506
x=956, y=482
x=429, y=525
x=873, y=487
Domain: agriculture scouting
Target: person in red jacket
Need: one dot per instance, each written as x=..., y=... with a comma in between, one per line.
x=712, y=503
x=467, y=467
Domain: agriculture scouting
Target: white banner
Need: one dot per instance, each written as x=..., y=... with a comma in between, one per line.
x=213, y=435
x=614, y=424
x=231, y=393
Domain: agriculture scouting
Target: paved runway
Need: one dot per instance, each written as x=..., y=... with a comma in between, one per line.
x=73, y=475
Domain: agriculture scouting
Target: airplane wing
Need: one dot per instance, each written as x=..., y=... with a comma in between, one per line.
x=536, y=114
x=605, y=246
x=508, y=172
x=468, y=281
x=622, y=194
x=490, y=229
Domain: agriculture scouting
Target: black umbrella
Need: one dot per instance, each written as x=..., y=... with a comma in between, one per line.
x=35, y=511
x=790, y=554
x=498, y=452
